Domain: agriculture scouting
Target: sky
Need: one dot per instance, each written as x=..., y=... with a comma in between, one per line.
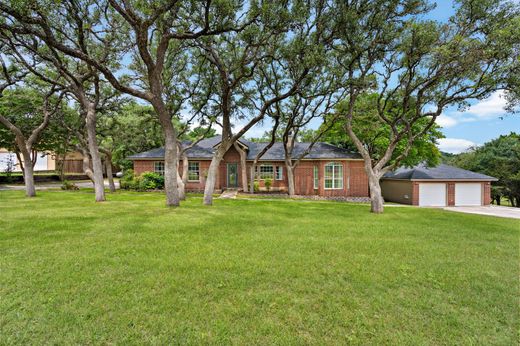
x=480, y=123
x=483, y=121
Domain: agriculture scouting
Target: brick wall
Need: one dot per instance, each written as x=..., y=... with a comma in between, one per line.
x=203, y=169
x=486, y=190
x=358, y=179
x=415, y=194
x=451, y=193
x=355, y=181
x=141, y=166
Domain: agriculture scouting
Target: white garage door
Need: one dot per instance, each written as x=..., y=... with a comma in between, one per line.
x=432, y=195
x=468, y=194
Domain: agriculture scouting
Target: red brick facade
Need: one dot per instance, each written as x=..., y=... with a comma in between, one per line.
x=355, y=181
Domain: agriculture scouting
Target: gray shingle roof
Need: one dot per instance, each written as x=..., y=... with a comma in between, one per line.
x=205, y=148
x=440, y=172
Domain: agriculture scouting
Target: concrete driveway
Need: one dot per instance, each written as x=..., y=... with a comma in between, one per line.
x=492, y=210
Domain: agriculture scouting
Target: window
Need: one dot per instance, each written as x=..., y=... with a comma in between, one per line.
x=193, y=171
x=316, y=178
x=279, y=172
x=158, y=167
x=334, y=175
x=266, y=172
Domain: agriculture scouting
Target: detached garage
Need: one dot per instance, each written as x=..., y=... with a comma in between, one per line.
x=438, y=186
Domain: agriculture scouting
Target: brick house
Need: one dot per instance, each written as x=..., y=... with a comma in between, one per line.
x=326, y=171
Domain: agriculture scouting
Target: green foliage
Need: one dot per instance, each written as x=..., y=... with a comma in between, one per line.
x=131, y=129
x=150, y=181
x=127, y=181
x=499, y=158
x=68, y=185
x=268, y=183
x=376, y=134
x=256, y=186
x=144, y=182
x=23, y=107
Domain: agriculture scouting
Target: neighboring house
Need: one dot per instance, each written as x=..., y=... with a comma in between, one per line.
x=326, y=171
x=437, y=186
x=44, y=161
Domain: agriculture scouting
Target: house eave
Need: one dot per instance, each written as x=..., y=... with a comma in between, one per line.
x=441, y=179
x=248, y=160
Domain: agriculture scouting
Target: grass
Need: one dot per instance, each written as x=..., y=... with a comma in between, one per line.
x=131, y=271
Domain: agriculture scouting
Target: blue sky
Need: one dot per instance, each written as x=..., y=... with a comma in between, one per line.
x=483, y=121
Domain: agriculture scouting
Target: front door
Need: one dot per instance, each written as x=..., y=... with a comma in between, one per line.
x=232, y=175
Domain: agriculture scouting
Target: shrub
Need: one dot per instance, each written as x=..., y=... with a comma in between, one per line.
x=256, y=186
x=146, y=181
x=128, y=180
x=67, y=185
x=150, y=181
x=268, y=182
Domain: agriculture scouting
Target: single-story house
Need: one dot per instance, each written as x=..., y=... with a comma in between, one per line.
x=438, y=186
x=326, y=171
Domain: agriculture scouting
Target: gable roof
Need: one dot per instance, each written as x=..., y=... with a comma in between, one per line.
x=205, y=148
x=440, y=172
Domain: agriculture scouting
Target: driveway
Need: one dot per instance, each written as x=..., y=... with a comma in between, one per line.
x=492, y=210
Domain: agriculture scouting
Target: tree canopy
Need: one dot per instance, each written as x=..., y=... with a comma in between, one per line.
x=374, y=133
x=499, y=158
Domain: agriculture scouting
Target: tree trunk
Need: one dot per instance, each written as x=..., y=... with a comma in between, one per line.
x=212, y=174
x=376, y=197
x=60, y=162
x=181, y=186
x=291, y=189
x=20, y=159
x=170, y=156
x=253, y=176
x=97, y=166
x=87, y=169
x=243, y=164
x=28, y=175
x=183, y=178
x=110, y=175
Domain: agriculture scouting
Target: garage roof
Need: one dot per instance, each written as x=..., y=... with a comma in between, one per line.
x=440, y=172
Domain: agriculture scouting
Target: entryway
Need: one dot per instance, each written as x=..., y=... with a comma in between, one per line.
x=232, y=175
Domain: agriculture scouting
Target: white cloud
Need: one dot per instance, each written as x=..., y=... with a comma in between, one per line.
x=487, y=109
x=491, y=107
x=445, y=121
x=455, y=145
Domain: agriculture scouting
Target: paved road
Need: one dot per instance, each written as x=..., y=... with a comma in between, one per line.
x=491, y=210
x=54, y=185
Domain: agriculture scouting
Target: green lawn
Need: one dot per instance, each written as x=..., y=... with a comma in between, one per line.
x=131, y=271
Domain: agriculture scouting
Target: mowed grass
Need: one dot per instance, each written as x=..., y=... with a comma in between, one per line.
x=131, y=271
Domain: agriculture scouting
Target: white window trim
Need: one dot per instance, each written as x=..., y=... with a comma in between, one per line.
x=189, y=180
x=278, y=173
x=333, y=164
x=158, y=171
x=259, y=173
x=316, y=177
